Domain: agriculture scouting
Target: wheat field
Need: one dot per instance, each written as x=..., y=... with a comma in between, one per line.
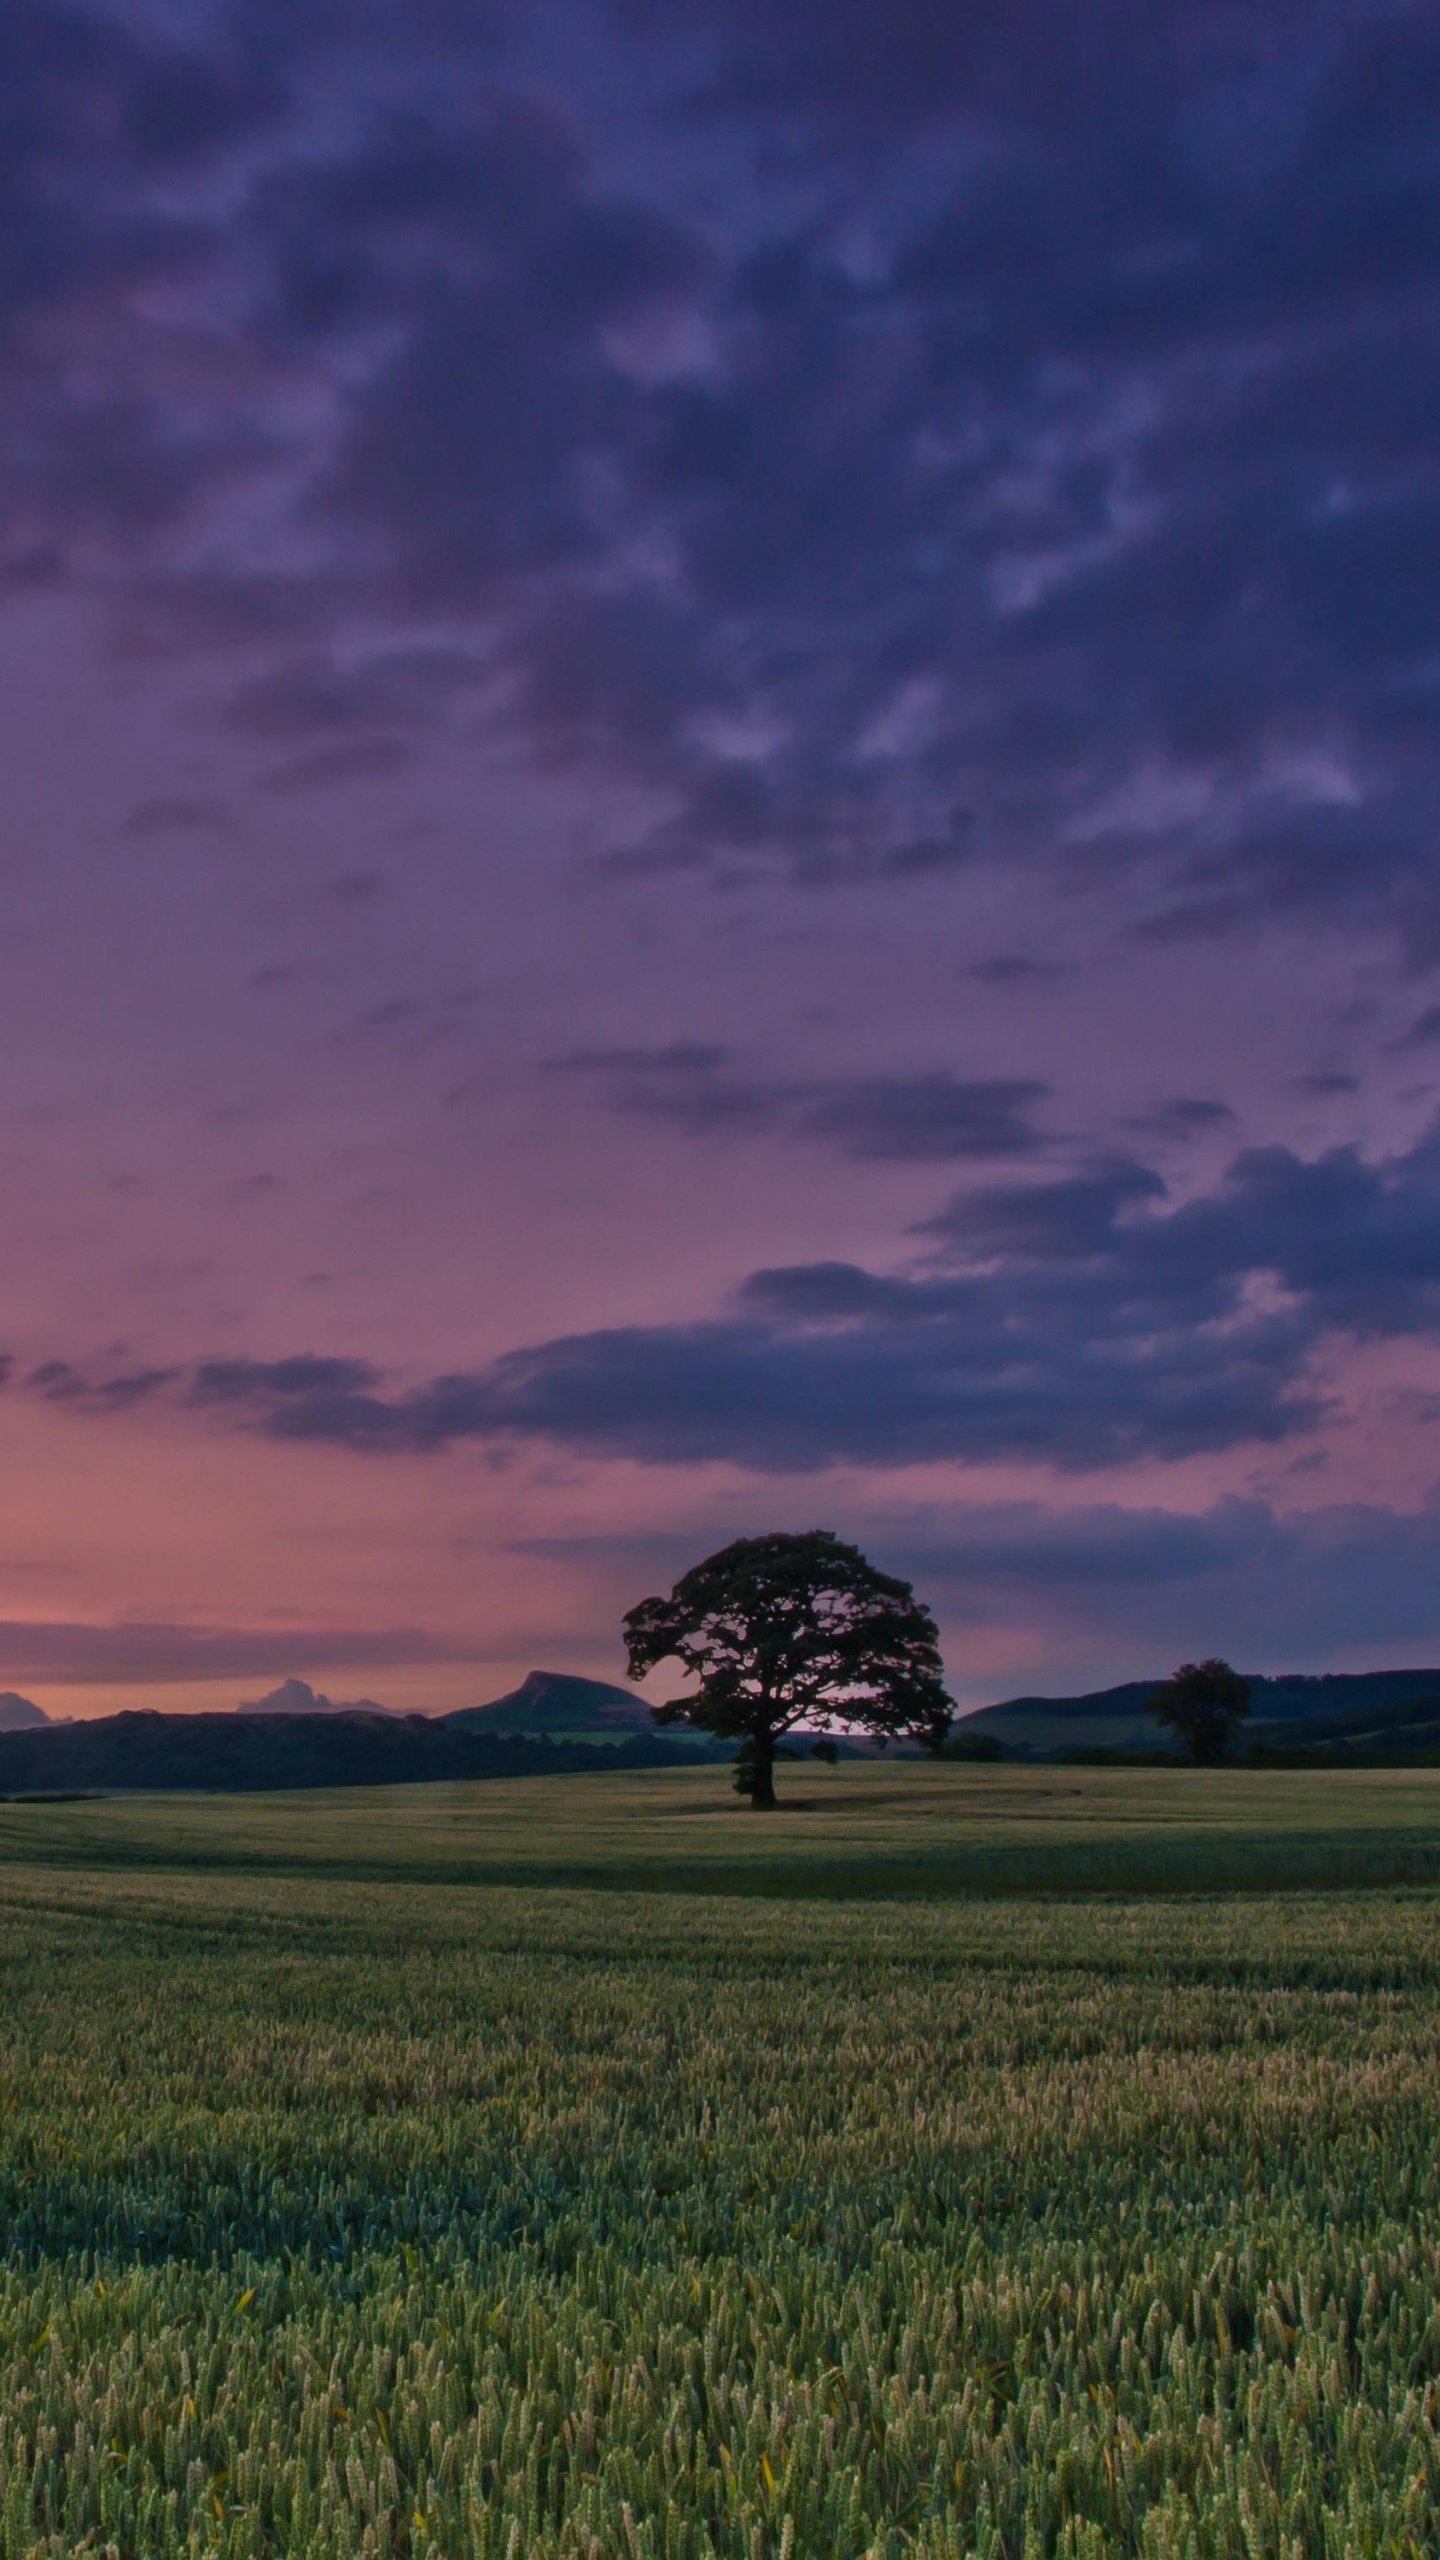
x=557, y=2222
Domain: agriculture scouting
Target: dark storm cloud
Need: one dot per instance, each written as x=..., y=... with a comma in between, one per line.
x=834, y=67
x=1355, y=1245
x=1064, y=488
x=1122, y=448
x=1082, y=1323
x=1047, y=1220
x=919, y=1119
x=828, y=1367
x=112, y=419
x=480, y=464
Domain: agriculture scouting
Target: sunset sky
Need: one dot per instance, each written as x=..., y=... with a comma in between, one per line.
x=721, y=779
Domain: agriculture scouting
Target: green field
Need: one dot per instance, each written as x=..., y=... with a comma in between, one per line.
x=904, y=1827
x=592, y=2168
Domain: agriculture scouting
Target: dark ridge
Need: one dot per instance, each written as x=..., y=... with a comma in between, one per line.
x=556, y=1703
x=1410, y=1727
x=1296, y=1710
x=146, y=1752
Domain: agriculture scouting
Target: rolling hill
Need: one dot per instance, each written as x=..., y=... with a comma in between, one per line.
x=146, y=1751
x=1292, y=1709
x=555, y=1723
x=562, y=1706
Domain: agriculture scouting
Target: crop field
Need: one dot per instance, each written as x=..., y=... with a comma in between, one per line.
x=359, y=2198
x=898, y=1827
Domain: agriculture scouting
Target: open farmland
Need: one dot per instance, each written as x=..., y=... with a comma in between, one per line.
x=903, y=1827
x=349, y=2208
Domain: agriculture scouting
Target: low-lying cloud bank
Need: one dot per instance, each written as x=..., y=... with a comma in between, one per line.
x=1074, y=1598
x=70, y=1653
x=1078, y=1322
x=1283, y=1590
x=1071, y=1597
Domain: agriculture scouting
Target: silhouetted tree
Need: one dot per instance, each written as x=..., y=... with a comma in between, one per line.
x=975, y=1746
x=1202, y=1705
x=790, y=1630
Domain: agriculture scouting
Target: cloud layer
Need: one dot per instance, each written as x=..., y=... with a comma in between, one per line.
x=71, y=1653
x=1044, y=470
x=1080, y=1323
x=920, y=1119
x=721, y=753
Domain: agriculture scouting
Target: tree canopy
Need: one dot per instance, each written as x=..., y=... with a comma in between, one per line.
x=792, y=1630
x=1201, y=1704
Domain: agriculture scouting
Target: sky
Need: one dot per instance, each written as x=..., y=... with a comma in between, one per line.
x=721, y=769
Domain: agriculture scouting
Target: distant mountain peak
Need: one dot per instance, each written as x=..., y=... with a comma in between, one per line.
x=570, y=1683
x=297, y=1698
x=20, y=1715
x=558, y=1702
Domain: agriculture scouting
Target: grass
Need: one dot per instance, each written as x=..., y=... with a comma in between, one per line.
x=370, y=2213
x=861, y=1828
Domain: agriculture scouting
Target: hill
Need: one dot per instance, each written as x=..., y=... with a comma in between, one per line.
x=1290, y=1708
x=20, y=1715
x=1411, y=1728
x=146, y=1751
x=558, y=1704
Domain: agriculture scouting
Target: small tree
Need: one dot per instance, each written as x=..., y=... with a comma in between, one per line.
x=1202, y=1706
x=790, y=1630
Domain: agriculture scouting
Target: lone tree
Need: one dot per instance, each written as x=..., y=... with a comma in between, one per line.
x=787, y=1630
x=1202, y=1706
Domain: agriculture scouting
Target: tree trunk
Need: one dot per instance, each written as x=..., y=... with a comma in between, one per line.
x=762, y=1789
